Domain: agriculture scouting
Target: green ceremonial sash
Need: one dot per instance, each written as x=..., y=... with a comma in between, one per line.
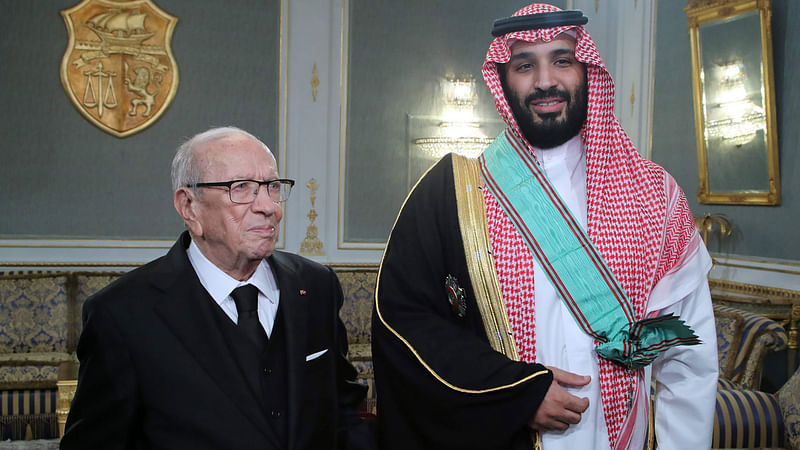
x=578, y=273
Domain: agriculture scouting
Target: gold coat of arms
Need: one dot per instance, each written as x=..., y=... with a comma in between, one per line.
x=118, y=68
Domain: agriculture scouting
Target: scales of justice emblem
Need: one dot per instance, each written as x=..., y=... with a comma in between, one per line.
x=118, y=68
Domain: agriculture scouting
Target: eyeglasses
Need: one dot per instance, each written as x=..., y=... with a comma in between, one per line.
x=246, y=191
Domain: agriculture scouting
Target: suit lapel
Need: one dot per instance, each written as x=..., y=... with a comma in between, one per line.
x=293, y=303
x=189, y=311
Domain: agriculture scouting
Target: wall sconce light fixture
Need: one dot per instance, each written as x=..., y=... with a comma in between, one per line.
x=459, y=131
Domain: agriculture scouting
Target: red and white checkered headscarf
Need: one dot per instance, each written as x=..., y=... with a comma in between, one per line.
x=637, y=216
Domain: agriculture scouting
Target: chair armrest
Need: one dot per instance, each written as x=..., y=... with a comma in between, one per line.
x=748, y=374
x=747, y=418
x=789, y=400
x=759, y=336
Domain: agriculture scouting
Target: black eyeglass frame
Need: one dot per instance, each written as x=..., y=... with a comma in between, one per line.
x=228, y=184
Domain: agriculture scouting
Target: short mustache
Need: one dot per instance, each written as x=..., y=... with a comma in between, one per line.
x=550, y=93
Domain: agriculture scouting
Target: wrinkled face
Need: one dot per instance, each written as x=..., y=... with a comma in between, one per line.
x=547, y=91
x=231, y=234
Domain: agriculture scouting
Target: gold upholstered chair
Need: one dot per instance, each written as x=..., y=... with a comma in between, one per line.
x=358, y=287
x=34, y=341
x=40, y=322
x=746, y=417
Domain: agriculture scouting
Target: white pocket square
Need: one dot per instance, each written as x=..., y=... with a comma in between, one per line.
x=316, y=355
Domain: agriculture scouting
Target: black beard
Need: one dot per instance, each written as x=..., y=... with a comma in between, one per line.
x=550, y=132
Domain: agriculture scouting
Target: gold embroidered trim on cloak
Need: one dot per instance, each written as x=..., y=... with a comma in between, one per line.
x=482, y=273
x=411, y=347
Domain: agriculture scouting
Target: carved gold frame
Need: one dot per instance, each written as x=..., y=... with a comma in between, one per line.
x=700, y=12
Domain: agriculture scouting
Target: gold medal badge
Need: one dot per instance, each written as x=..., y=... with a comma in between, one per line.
x=118, y=68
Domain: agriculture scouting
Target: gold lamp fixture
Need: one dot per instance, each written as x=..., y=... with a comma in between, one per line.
x=705, y=224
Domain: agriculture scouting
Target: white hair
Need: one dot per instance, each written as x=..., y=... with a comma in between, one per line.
x=185, y=169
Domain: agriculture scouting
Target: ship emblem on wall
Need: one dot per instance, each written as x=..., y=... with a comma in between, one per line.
x=118, y=68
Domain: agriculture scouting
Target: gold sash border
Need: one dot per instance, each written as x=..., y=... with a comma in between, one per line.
x=482, y=273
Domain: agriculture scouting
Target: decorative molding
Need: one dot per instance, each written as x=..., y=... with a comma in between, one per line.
x=311, y=245
x=66, y=392
x=84, y=243
x=283, y=105
x=314, y=83
x=355, y=267
x=753, y=260
x=633, y=96
x=769, y=269
x=66, y=265
x=343, y=88
x=771, y=295
x=757, y=276
x=710, y=3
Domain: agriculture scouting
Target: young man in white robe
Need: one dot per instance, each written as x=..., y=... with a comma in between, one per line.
x=483, y=337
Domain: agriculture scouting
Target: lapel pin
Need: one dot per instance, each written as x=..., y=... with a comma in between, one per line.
x=302, y=292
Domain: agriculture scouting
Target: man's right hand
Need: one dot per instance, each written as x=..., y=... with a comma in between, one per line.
x=560, y=409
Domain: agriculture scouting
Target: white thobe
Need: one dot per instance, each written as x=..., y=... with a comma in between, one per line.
x=686, y=375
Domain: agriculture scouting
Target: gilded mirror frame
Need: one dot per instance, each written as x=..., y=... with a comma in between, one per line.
x=724, y=160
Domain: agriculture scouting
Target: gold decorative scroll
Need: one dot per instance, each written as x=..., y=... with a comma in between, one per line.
x=633, y=96
x=66, y=392
x=311, y=245
x=314, y=83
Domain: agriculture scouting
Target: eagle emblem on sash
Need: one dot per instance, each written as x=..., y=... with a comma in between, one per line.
x=118, y=69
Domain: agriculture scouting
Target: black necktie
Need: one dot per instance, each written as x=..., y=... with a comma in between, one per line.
x=246, y=298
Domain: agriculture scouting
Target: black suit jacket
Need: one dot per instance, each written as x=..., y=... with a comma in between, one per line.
x=157, y=370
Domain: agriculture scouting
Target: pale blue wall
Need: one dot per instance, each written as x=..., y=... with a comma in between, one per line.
x=398, y=54
x=766, y=231
x=61, y=176
x=221, y=49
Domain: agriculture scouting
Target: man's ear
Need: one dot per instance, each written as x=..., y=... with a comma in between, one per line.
x=186, y=204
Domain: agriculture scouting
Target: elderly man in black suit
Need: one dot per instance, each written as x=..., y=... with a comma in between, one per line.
x=224, y=343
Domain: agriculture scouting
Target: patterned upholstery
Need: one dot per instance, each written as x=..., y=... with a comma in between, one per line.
x=789, y=400
x=729, y=336
x=358, y=287
x=40, y=321
x=34, y=341
x=28, y=413
x=745, y=417
x=743, y=341
x=33, y=329
x=86, y=284
x=748, y=419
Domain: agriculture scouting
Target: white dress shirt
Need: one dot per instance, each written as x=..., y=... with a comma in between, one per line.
x=220, y=285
